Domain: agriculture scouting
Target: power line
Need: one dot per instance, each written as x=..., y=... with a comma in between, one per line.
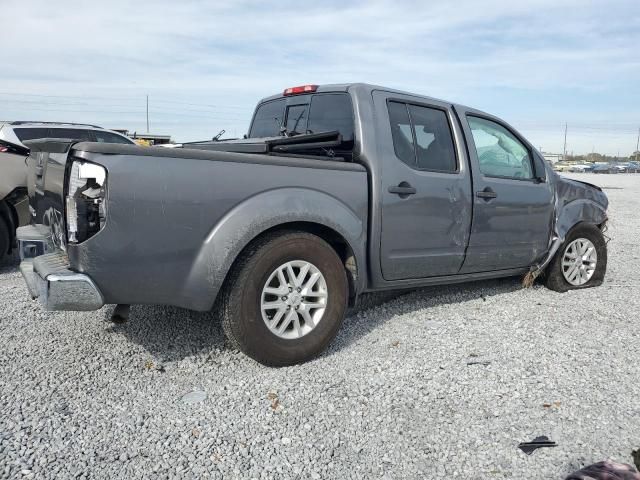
x=147, y=113
x=134, y=99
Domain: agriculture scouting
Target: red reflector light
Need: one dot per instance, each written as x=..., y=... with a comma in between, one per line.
x=3, y=149
x=300, y=89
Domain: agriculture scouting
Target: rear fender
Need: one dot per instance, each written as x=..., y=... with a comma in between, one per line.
x=254, y=216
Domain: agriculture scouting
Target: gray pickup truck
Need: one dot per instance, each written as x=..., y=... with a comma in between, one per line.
x=336, y=190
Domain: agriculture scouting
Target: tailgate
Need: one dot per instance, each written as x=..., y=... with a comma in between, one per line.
x=45, y=182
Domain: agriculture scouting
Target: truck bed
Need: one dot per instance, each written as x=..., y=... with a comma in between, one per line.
x=193, y=209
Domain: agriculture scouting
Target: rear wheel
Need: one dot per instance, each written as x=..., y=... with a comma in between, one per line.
x=581, y=261
x=285, y=299
x=5, y=238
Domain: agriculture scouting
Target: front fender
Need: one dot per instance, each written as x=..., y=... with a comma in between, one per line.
x=577, y=211
x=254, y=216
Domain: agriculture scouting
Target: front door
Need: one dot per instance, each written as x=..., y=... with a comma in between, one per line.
x=513, y=200
x=425, y=189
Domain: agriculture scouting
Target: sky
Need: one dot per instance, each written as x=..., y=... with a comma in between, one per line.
x=538, y=64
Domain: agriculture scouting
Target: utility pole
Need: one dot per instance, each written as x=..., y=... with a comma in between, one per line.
x=638, y=145
x=147, y=113
x=564, y=154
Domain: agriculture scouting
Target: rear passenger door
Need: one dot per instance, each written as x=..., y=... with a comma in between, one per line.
x=425, y=191
x=513, y=201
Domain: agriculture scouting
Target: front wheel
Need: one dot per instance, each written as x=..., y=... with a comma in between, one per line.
x=581, y=261
x=286, y=298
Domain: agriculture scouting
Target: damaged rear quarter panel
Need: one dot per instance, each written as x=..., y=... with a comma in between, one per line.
x=174, y=225
x=259, y=213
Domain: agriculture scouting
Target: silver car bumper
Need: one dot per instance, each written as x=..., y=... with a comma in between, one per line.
x=50, y=280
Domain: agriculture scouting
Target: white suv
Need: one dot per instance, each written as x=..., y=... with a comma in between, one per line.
x=14, y=206
x=19, y=132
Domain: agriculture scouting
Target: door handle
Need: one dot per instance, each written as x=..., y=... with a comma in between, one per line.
x=486, y=194
x=404, y=189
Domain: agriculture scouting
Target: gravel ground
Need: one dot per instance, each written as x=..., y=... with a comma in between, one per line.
x=395, y=396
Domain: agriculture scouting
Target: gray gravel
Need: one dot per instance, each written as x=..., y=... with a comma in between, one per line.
x=395, y=397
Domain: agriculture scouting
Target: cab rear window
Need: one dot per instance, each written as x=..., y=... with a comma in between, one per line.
x=331, y=112
x=323, y=112
x=268, y=119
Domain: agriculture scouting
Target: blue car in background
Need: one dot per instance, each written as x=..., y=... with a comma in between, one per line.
x=633, y=167
x=607, y=168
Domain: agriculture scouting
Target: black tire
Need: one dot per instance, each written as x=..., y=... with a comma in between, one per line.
x=240, y=303
x=5, y=238
x=554, y=279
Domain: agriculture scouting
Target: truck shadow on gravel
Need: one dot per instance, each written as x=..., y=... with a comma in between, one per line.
x=372, y=312
x=172, y=334
x=9, y=263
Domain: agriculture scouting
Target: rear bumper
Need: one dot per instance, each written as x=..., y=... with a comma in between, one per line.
x=51, y=281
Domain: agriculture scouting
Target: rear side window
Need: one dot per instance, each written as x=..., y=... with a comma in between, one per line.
x=31, y=133
x=500, y=153
x=108, y=137
x=401, y=133
x=268, y=119
x=70, y=133
x=434, y=142
x=422, y=137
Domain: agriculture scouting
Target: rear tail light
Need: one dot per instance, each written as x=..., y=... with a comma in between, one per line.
x=85, y=202
x=300, y=89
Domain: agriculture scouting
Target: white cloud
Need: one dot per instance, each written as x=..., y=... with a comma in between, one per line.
x=228, y=54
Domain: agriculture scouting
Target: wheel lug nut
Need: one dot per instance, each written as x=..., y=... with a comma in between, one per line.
x=299, y=289
x=284, y=297
x=290, y=289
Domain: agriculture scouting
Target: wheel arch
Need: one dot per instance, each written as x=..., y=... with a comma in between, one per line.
x=304, y=210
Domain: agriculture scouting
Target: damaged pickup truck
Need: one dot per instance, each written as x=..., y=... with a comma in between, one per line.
x=336, y=190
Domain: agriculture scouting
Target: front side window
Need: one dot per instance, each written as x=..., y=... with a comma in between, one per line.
x=500, y=153
x=268, y=119
x=422, y=137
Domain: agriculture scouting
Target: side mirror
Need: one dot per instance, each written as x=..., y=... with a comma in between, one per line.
x=539, y=169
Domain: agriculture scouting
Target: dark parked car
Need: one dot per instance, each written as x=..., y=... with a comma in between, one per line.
x=338, y=190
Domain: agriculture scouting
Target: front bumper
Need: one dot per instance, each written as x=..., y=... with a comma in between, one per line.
x=49, y=278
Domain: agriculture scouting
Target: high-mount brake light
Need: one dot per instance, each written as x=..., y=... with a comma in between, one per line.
x=300, y=89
